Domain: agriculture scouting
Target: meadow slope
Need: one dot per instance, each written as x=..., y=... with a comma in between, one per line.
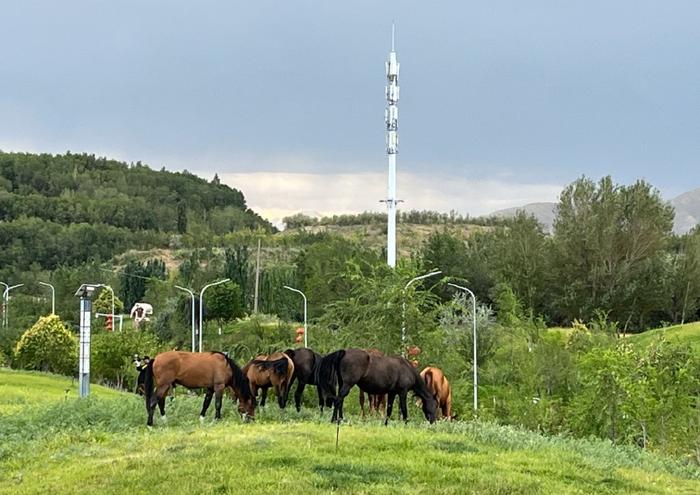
x=53, y=442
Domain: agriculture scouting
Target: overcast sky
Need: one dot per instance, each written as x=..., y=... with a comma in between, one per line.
x=502, y=102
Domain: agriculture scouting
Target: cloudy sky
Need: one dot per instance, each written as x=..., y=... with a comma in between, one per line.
x=502, y=102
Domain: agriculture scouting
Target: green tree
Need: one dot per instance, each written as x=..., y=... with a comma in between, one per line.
x=608, y=240
x=103, y=303
x=48, y=346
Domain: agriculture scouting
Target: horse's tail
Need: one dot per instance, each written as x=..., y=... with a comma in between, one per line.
x=328, y=373
x=279, y=366
x=148, y=383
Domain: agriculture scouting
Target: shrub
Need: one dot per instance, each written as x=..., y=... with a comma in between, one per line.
x=48, y=346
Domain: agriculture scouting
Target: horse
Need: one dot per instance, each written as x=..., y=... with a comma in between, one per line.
x=436, y=381
x=213, y=371
x=305, y=363
x=378, y=401
x=275, y=370
x=374, y=375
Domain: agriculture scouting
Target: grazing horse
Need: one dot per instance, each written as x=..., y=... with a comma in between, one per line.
x=436, y=381
x=305, y=363
x=213, y=371
x=275, y=370
x=374, y=375
x=376, y=401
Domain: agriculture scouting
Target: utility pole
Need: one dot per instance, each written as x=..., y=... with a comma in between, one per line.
x=391, y=115
x=257, y=280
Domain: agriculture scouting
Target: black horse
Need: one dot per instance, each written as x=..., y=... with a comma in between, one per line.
x=374, y=375
x=306, y=361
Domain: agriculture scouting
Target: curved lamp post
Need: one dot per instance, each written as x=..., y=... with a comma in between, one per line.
x=53, y=296
x=201, y=305
x=304, y=296
x=476, y=393
x=194, y=344
x=6, y=301
x=403, y=307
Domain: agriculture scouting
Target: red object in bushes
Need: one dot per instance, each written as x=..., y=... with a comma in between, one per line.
x=298, y=339
x=413, y=350
x=414, y=363
x=300, y=331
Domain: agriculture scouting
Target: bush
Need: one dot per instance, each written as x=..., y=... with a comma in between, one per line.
x=113, y=353
x=48, y=346
x=3, y=359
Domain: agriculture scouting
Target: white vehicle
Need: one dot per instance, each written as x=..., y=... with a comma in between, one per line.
x=141, y=312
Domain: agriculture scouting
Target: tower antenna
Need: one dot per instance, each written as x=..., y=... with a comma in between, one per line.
x=391, y=116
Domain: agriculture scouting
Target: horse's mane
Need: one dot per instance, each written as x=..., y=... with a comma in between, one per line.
x=238, y=379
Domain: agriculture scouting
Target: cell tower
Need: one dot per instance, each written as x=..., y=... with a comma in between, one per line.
x=391, y=115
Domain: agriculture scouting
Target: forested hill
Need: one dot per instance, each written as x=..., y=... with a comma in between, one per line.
x=54, y=206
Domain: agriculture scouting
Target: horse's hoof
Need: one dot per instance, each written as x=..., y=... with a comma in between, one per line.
x=164, y=418
x=201, y=419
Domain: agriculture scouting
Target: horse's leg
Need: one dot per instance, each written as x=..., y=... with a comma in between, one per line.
x=264, y=395
x=342, y=393
x=156, y=398
x=298, y=394
x=219, y=392
x=389, y=407
x=403, y=406
x=362, y=402
x=207, y=401
x=320, y=398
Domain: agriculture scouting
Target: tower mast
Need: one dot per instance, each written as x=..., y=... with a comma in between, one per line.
x=391, y=115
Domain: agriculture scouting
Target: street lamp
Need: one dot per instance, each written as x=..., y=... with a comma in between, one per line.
x=304, y=296
x=112, y=291
x=4, y=309
x=403, y=307
x=476, y=393
x=201, y=305
x=53, y=296
x=6, y=302
x=192, y=304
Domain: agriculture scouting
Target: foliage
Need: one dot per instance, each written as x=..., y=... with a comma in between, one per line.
x=103, y=303
x=47, y=346
x=112, y=355
x=134, y=279
x=224, y=302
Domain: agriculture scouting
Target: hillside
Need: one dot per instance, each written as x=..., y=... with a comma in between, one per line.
x=65, y=209
x=687, y=206
x=50, y=449
x=688, y=333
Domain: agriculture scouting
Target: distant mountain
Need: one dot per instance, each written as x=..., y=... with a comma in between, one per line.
x=687, y=207
x=543, y=212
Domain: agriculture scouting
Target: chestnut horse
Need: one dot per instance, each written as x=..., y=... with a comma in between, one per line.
x=274, y=370
x=376, y=401
x=213, y=371
x=374, y=375
x=436, y=381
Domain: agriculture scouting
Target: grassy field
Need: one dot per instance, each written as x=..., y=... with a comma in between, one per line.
x=53, y=442
x=688, y=333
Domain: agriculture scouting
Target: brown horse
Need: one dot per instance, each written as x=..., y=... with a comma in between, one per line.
x=274, y=370
x=377, y=402
x=213, y=371
x=440, y=388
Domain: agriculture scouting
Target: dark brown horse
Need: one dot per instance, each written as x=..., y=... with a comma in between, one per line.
x=374, y=375
x=274, y=370
x=213, y=371
x=436, y=381
x=305, y=363
x=377, y=402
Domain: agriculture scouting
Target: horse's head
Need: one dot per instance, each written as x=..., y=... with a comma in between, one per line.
x=246, y=405
x=429, y=407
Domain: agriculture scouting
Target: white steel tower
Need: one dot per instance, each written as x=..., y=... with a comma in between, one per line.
x=391, y=115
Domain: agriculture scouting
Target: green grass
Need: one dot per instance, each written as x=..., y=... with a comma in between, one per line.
x=53, y=442
x=688, y=333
